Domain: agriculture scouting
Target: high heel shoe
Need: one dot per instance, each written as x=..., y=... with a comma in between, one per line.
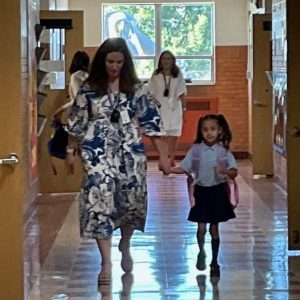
x=126, y=261
x=104, y=277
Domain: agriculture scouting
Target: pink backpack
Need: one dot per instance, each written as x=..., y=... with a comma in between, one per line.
x=222, y=158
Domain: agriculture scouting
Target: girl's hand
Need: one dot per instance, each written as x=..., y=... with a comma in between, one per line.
x=177, y=170
x=231, y=173
x=219, y=169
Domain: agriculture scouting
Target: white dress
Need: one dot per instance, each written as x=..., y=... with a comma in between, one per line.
x=76, y=80
x=171, y=106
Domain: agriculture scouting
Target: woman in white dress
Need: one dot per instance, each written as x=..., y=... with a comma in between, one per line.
x=79, y=73
x=168, y=87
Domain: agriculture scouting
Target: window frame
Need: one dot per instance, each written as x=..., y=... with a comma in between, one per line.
x=157, y=20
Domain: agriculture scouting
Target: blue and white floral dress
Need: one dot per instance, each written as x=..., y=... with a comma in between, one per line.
x=114, y=188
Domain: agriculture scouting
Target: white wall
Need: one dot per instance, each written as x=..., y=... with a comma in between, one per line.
x=231, y=20
x=62, y=4
x=92, y=20
x=54, y=4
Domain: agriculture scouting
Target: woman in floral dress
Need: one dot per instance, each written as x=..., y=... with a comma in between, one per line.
x=110, y=112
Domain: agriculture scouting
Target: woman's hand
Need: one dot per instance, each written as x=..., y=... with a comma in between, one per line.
x=157, y=103
x=70, y=162
x=183, y=116
x=164, y=165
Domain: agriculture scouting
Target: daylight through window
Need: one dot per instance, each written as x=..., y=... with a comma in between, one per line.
x=185, y=29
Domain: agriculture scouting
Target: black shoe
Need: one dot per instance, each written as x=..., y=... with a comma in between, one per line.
x=200, y=265
x=214, y=270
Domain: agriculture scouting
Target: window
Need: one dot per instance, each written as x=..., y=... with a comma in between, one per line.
x=185, y=29
x=53, y=62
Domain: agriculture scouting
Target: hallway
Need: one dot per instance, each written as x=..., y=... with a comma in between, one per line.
x=255, y=262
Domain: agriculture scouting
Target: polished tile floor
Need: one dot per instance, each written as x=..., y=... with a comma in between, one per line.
x=255, y=262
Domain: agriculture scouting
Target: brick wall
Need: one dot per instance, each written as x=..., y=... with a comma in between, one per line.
x=231, y=89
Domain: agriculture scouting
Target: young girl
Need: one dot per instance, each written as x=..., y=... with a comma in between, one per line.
x=211, y=162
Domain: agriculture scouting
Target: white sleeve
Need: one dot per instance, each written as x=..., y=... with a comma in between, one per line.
x=151, y=85
x=232, y=164
x=181, y=88
x=75, y=84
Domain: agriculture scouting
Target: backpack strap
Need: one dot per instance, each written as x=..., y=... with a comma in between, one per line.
x=232, y=184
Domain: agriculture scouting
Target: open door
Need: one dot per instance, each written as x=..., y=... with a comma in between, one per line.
x=293, y=123
x=262, y=117
x=68, y=28
x=18, y=177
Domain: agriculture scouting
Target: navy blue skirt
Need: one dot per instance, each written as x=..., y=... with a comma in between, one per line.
x=212, y=204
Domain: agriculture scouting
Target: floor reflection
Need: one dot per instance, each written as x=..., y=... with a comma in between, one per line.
x=212, y=293
x=254, y=260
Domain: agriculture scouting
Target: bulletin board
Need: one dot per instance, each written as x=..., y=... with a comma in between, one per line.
x=279, y=76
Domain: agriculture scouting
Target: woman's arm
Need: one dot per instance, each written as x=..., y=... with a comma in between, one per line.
x=183, y=102
x=57, y=114
x=76, y=127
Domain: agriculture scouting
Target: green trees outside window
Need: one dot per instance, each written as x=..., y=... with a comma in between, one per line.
x=185, y=29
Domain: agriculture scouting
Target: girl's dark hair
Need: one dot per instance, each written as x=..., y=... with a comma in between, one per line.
x=98, y=78
x=174, y=69
x=80, y=61
x=225, y=136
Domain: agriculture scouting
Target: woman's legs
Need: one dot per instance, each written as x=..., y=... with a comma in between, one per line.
x=124, y=247
x=215, y=245
x=172, y=149
x=165, y=140
x=104, y=246
x=200, y=265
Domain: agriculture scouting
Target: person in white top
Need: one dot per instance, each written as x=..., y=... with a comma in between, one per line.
x=79, y=73
x=169, y=89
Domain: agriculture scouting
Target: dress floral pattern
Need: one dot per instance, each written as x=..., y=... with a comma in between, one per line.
x=114, y=188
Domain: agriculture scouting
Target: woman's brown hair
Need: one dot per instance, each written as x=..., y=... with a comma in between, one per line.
x=98, y=78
